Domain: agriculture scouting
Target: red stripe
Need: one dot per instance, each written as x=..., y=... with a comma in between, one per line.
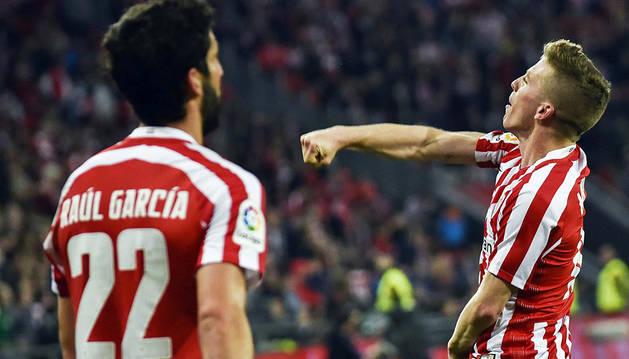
x=533, y=217
x=262, y=256
x=513, y=154
x=237, y=190
x=236, y=187
x=564, y=337
x=506, y=214
x=549, y=336
x=481, y=343
x=523, y=335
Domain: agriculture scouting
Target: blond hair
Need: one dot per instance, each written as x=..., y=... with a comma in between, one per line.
x=577, y=88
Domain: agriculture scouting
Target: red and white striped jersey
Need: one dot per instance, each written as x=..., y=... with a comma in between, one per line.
x=532, y=239
x=134, y=224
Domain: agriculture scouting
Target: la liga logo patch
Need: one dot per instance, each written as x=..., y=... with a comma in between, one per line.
x=251, y=218
x=250, y=231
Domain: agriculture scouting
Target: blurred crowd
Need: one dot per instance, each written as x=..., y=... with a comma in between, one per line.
x=337, y=245
x=447, y=63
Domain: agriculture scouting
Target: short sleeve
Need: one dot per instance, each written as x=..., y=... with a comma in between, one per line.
x=237, y=231
x=59, y=283
x=492, y=147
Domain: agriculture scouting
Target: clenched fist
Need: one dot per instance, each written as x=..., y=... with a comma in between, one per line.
x=319, y=147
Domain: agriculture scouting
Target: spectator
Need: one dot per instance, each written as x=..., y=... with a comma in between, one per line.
x=452, y=228
x=612, y=291
x=395, y=291
x=339, y=341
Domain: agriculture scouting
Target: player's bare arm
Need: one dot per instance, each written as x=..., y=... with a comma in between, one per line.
x=224, y=330
x=65, y=316
x=481, y=312
x=407, y=142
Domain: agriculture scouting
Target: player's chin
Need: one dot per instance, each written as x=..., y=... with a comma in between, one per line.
x=505, y=121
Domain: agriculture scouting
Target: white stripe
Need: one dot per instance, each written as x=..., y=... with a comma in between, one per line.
x=559, y=338
x=558, y=242
x=247, y=256
x=568, y=341
x=510, y=165
x=512, y=171
x=203, y=179
x=489, y=156
x=549, y=222
x=494, y=344
x=541, y=344
x=521, y=207
x=161, y=132
x=491, y=213
x=53, y=286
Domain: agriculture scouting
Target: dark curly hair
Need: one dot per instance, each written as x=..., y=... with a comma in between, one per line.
x=150, y=50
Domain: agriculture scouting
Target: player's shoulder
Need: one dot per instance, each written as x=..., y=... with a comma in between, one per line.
x=94, y=161
x=500, y=137
x=568, y=163
x=228, y=171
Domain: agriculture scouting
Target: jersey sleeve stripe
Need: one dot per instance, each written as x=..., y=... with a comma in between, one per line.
x=247, y=256
x=492, y=147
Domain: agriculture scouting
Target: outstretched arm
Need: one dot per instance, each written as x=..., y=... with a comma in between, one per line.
x=419, y=143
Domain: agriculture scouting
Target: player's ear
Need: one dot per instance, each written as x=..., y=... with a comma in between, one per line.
x=545, y=111
x=195, y=84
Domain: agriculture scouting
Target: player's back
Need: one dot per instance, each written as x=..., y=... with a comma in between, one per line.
x=134, y=224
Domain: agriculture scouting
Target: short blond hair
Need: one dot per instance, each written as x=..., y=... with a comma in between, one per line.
x=577, y=88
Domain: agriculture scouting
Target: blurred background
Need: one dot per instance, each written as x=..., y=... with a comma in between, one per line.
x=369, y=258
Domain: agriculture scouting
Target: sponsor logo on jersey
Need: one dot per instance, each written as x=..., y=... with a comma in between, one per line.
x=510, y=138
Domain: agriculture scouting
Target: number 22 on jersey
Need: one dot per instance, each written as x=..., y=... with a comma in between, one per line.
x=100, y=249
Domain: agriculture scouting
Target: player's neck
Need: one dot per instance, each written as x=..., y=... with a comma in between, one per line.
x=538, y=143
x=191, y=124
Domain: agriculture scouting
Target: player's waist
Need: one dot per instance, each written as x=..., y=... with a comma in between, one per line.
x=524, y=338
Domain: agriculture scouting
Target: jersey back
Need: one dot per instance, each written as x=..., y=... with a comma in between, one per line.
x=134, y=224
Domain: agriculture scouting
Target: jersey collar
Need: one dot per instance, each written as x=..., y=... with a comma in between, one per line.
x=558, y=153
x=161, y=132
x=554, y=155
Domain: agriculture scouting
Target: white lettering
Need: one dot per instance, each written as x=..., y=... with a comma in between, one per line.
x=115, y=204
x=181, y=206
x=129, y=204
x=169, y=202
x=158, y=194
x=96, y=215
x=144, y=194
x=85, y=205
x=64, y=212
x=74, y=209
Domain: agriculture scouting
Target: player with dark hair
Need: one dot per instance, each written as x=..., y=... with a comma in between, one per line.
x=533, y=235
x=155, y=237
